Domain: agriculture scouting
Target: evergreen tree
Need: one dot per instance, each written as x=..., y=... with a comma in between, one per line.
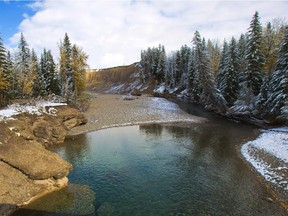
x=160, y=73
x=193, y=79
x=52, y=82
x=22, y=66
x=229, y=84
x=38, y=84
x=242, y=49
x=223, y=66
x=177, y=76
x=254, y=57
x=12, y=78
x=279, y=80
x=210, y=96
x=3, y=78
x=66, y=70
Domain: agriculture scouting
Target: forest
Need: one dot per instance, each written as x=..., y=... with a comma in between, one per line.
x=245, y=78
x=23, y=75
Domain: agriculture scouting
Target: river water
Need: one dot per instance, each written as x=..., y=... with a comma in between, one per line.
x=168, y=169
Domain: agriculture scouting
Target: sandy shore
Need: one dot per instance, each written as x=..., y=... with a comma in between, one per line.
x=110, y=110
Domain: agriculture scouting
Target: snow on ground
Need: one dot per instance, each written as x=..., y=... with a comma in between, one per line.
x=160, y=89
x=115, y=89
x=38, y=109
x=162, y=105
x=268, y=154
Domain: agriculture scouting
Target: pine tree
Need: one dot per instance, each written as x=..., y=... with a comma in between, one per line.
x=193, y=79
x=12, y=78
x=22, y=66
x=52, y=82
x=3, y=78
x=178, y=74
x=223, y=66
x=209, y=94
x=254, y=57
x=242, y=49
x=38, y=84
x=66, y=70
x=229, y=83
x=161, y=68
x=279, y=80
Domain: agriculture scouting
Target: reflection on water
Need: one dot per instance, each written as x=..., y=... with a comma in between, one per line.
x=72, y=200
x=169, y=169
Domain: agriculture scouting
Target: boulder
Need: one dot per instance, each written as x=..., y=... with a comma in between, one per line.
x=31, y=158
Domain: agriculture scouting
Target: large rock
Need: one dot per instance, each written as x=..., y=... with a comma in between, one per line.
x=31, y=158
x=17, y=189
x=27, y=169
x=49, y=131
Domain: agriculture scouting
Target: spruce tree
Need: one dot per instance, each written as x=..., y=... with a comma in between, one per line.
x=38, y=84
x=242, y=49
x=66, y=70
x=279, y=80
x=12, y=78
x=3, y=78
x=254, y=57
x=229, y=83
x=161, y=68
x=210, y=96
x=223, y=66
x=22, y=66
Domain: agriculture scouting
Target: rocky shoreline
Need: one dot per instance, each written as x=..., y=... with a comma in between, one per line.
x=28, y=169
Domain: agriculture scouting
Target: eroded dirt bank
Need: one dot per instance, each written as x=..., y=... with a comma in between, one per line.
x=28, y=170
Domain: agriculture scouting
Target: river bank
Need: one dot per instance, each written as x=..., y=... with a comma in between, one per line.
x=114, y=110
x=28, y=169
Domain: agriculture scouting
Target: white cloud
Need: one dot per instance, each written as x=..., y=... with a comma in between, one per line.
x=114, y=32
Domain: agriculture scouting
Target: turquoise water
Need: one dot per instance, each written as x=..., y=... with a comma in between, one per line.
x=175, y=169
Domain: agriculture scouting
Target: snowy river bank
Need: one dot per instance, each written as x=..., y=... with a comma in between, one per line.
x=268, y=154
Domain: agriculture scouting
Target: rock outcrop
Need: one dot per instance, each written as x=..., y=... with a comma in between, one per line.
x=27, y=169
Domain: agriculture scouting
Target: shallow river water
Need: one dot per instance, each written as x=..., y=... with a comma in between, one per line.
x=173, y=169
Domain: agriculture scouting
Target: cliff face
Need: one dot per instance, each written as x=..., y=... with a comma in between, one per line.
x=27, y=169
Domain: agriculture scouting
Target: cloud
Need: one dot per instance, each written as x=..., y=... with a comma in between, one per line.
x=114, y=32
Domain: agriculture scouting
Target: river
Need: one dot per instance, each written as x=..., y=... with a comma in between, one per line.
x=160, y=169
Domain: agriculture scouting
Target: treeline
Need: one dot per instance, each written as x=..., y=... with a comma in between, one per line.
x=247, y=77
x=26, y=76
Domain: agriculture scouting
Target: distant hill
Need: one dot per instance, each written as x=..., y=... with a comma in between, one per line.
x=121, y=79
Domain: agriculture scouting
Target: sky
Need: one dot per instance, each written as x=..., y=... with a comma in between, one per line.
x=113, y=32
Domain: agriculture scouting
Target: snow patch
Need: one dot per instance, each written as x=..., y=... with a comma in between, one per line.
x=37, y=109
x=116, y=89
x=163, y=104
x=268, y=154
x=160, y=89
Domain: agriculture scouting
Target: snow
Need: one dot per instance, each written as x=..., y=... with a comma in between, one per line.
x=37, y=109
x=162, y=104
x=268, y=154
x=160, y=89
x=115, y=89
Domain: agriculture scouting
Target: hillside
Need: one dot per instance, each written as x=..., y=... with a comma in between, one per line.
x=121, y=79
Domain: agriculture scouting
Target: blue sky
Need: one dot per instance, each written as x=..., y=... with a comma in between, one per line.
x=113, y=32
x=11, y=15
